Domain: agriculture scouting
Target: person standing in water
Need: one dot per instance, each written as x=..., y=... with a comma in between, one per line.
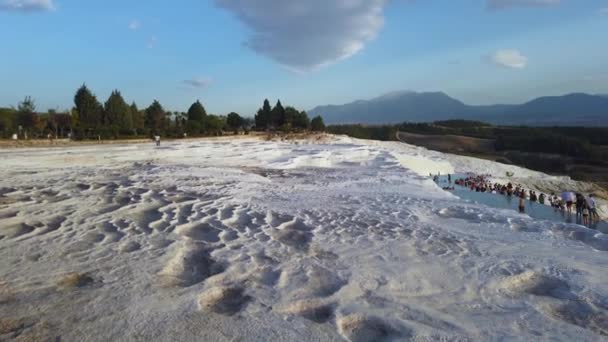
x=157, y=140
x=522, y=202
x=585, y=213
x=593, y=215
x=580, y=203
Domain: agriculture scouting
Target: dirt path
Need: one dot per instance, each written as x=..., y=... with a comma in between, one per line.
x=44, y=143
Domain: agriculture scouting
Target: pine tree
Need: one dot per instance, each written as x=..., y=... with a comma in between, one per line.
x=290, y=114
x=155, y=117
x=197, y=112
x=277, y=117
x=317, y=124
x=234, y=122
x=262, y=118
x=214, y=124
x=138, y=118
x=8, y=124
x=301, y=121
x=134, y=108
x=260, y=123
x=27, y=105
x=117, y=112
x=88, y=108
x=26, y=115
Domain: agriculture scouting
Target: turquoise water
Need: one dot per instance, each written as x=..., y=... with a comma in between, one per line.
x=533, y=209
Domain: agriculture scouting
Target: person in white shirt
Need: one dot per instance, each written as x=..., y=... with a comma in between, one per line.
x=593, y=215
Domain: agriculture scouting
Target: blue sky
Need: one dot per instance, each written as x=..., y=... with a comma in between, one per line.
x=231, y=54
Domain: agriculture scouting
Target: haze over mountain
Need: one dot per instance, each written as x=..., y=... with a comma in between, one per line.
x=573, y=109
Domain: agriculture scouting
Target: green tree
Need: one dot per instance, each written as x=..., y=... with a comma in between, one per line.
x=117, y=112
x=26, y=115
x=7, y=122
x=75, y=121
x=234, y=122
x=262, y=118
x=88, y=108
x=193, y=128
x=277, y=116
x=155, y=118
x=27, y=105
x=214, y=124
x=197, y=112
x=51, y=122
x=317, y=124
x=40, y=126
x=61, y=123
x=301, y=121
x=138, y=118
x=290, y=114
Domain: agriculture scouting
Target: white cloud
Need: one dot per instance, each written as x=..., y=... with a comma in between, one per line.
x=306, y=35
x=198, y=82
x=504, y=4
x=604, y=11
x=134, y=25
x=27, y=5
x=512, y=59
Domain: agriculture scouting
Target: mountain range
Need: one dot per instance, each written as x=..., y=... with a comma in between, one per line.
x=577, y=109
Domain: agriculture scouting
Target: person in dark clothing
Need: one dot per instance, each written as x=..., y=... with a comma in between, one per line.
x=580, y=203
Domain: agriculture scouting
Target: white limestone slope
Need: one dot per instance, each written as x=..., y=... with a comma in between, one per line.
x=250, y=240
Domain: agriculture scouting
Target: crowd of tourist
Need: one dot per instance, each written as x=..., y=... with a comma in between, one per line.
x=567, y=202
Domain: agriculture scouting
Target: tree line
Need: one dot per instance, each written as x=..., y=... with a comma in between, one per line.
x=115, y=118
x=382, y=133
x=285, y=119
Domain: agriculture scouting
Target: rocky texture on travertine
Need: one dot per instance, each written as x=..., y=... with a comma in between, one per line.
x=268, y=240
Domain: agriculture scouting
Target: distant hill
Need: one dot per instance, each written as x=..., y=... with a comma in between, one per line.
x=572, y=109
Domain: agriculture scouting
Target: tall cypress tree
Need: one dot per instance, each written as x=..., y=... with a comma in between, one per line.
x=117, y=112
x=89, y=109
x=155, y=117
x=277, y=118
x=263, y=117
x=137, y=117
